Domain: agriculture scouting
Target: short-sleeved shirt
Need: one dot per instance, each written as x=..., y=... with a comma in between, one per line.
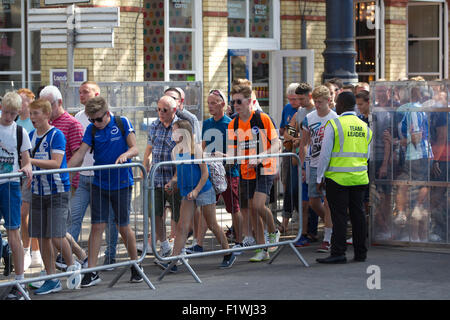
x=316, y=127
x=109, y=145
x=214, y=133
x=160, y=139
x=246, y=141
x=27, y=124
x=54, y=142
x=287, y=114
x=73, y=132
x=9, y=162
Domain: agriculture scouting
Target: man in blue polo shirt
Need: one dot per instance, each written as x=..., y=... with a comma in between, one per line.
x=110, y=146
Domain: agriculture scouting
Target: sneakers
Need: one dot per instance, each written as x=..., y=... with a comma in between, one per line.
x=108, y=260
x=228, y=261
x=400, y=219
x=36, y=260
x=135, y=275
x=60, y=263
x=74, y=280
x=90, y=279
x=26, y=259
x=16, y=294
x=194, y=249
x=350, y=241
x=261, y=255
x=164, y=266
x=324, y=247
x=165, y=252
x=49, y=286
x=248, y=241
x=302, y=242
x=38, y=284
x=8, y=261
x=274, y=238
x=140, y=248
x=84, y=263
x=230, y=233
x=237, y=245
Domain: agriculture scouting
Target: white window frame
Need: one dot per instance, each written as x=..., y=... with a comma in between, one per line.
x=379, y=39
x=259, y=44
x=442, y=38
x=30, y=72
x=197, y=43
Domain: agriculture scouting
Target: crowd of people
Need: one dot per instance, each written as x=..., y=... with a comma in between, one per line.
x=326, y=126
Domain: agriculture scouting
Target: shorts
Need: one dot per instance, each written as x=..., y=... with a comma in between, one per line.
x=247, y=188
x=205, y=198
x=231, y=195
x=48, y=215
x=26, y=192
x=161, y=197
x=312, y=191
x=10, y=203
x=120, y=201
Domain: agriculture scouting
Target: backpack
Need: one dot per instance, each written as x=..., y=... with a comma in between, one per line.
x=19, y=133
x=119, y=123
x=217, y=176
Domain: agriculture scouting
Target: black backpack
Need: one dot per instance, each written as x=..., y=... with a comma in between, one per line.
x=19, y=135
x=119, y=123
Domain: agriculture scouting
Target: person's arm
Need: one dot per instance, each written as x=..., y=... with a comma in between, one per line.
x=146, y=162
x=304, y=142
x=325, y=155
x=26, y=167
x=132, y=149
x=53, y=163
x=201, y=183
x=78, y=157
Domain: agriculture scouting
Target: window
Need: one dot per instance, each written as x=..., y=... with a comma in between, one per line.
x=183, y=60
x=367, y=40
x=253, y=24
x=425, y=40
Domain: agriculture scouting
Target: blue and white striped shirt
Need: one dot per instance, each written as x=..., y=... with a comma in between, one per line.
x=54, y=142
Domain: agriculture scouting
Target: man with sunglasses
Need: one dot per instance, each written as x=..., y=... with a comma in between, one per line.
x=159, y=149
x=82, y=197
x=178, y=95
x=114, y=186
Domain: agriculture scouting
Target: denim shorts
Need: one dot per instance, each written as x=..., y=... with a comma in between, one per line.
x=312, y=191
x=120, y=202
x=48, y=215
x=205, y=198
x=10, y=204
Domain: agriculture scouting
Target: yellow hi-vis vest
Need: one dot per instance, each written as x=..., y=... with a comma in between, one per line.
x=348, y=162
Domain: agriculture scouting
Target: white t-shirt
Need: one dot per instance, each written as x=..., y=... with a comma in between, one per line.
x=8, y=150
x=316, y=127
x=88, y=160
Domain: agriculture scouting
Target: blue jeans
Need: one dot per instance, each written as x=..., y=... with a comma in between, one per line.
x=80, y=201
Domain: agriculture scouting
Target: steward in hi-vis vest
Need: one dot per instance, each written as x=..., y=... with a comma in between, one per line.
x=343, y=162
x=348, y=162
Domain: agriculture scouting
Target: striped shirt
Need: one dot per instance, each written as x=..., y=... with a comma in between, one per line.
x=54, y=142
x=160, y=139
x=73, y=132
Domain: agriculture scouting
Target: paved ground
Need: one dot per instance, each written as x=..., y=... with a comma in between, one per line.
x=405, y=273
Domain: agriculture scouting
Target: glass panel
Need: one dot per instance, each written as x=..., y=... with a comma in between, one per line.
x=423, y=21
x=236, y=18
x=180, y=51
x=423, y=56
x=238, y=67
x=260, y=19
x=154, y=40
x=35, y=48
x=365, y=60
x=365, y=19
x=10, y=14
x=35, y=83
x=182, y=77
x=181, y=13
x=260, y=76
x=10, y=51
x=35, y=3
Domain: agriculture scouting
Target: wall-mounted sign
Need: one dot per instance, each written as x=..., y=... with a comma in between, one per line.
x=260, y=11
x=236, y=9
x=60, y=75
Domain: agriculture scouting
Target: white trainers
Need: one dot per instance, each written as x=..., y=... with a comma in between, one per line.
x=261, y=255
x=74, y=280
x=350, y=241
x=248, y=241
x=274, y=238
x=36, y=260
x=26, y=259
x=400, y=219
x=165, y=252
x=38, y=284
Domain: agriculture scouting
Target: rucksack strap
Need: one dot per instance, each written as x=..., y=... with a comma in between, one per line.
x=19, y=135
x=119, y=123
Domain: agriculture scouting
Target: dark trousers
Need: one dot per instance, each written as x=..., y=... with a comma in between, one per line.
x=344, y=200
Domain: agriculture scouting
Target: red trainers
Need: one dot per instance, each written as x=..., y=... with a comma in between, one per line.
x=324, y=247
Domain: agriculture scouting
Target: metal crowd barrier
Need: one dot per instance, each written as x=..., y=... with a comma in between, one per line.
x=124, y=264
x=172, y=260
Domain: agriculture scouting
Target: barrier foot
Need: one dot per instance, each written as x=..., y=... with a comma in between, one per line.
x=24, y=293
x=116, y=278
x=299, y=255
x=139, y=270
x=163, y=274
x=276, y=254
x=191, y=270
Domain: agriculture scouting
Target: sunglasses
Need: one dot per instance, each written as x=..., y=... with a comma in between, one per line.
x=162, y=110
x=100, y=119
x=217, y=93
x=238, y=101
